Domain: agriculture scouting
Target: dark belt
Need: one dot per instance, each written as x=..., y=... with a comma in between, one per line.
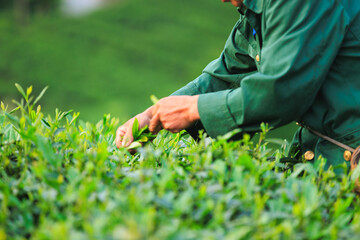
x=351, y=154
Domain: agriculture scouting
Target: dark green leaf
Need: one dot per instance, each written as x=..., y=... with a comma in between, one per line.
x=46, y=124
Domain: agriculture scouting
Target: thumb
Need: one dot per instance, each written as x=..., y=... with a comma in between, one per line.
x=155, y=124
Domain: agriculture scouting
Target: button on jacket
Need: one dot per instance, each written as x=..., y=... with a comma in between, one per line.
x=287, y=61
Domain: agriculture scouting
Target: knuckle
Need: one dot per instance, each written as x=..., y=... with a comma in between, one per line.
x=121, y=130
x=161, y=101
x=167, y=126
x=118, y=131
x=151, y=128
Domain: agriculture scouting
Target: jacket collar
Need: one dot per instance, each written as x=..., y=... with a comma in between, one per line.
x=254, y=5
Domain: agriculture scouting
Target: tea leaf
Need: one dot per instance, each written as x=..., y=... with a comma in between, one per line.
x=154, y=99
x=41, y=95
x=2, y=120
x=277, y=141
x=46, y=149
x=45, y=123
x=143, y=130
x=21, y=90
x=134, y=145
x=74, y=118
x=64, y=114
x=14, y=110
x=14, y=120
x=143, y=139
x=135, y=129
x=28, y=91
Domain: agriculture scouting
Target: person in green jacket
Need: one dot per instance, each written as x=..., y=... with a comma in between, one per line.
x=284, y=61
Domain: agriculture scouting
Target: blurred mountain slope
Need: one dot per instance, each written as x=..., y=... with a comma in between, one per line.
x=112, y=60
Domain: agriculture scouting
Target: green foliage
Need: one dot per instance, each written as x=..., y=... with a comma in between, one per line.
x=30, y=5
x=63, y=178
x=113, y=59
x=142, y=135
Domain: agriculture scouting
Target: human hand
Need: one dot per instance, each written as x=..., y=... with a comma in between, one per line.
x=174, y=113
x=124, y=136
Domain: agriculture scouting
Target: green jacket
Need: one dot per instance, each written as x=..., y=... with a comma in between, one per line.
x=287, y=61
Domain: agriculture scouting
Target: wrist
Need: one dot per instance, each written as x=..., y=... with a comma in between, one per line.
x=194, y=111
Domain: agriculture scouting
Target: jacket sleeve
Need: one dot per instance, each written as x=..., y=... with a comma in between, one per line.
x=300, y=42
x=225, y=72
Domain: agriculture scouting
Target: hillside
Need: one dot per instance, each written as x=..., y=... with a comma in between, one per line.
x=112, y=60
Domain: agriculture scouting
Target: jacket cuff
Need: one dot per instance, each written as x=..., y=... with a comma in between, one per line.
x=215, y=114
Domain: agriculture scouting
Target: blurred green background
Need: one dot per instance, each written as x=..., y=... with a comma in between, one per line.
x=109, y=59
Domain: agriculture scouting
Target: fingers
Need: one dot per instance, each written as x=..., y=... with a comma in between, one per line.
x=155, y=124
x=120, y=132
x=128, y=137
x=124, y=135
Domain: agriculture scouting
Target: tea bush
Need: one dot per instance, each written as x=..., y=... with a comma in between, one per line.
x=63, y=178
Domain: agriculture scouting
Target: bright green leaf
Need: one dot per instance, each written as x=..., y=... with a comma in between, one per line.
x=154, y=99
x=41, y=95
x=134, y=145
x=29, y=91
x=135, y=129
x=21, y=90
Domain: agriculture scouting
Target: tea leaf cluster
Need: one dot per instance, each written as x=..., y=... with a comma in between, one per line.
x=63, y=178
